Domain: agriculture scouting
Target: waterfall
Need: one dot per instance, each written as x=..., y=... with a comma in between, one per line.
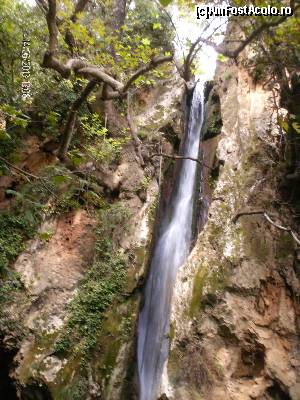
x=170, y=251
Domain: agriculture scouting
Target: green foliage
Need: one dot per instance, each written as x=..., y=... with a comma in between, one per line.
x=77, y=391
x=144, y=34
x=51, y=103
x=46, y=235
x=93, y=126
x=8, y=286
x=102, y=285
x=13, y=123
x=99, y=288
x=14, y=230
x=144, y=184
x=222, y=58
x=152, y=27
x=14, y=118
x=276, y=48
x=10, y=289
x=100, y=147
x=165, y=2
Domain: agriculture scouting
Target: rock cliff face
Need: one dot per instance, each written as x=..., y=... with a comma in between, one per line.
x=235, y=320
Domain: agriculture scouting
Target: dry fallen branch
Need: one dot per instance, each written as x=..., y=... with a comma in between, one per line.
x=268, y=218
x=28, y=175
x=21, y=171
x=176, y=157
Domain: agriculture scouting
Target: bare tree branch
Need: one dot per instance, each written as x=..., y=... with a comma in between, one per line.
x=268, y=218
x=238, y=215
x=28, y=175
x=258, y=31
x=52, y=27
x=176, y=157
x=21, y=171
x=152, y=64
x=193, y=51
x=42, y=4
x=164, y=10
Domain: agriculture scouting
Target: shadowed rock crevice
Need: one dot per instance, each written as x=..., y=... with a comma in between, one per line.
x=7, y=387
x=213, y=119
x=35, y=391
x=276, y=393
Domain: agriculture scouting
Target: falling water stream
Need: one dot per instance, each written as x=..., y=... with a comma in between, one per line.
x=171, y=250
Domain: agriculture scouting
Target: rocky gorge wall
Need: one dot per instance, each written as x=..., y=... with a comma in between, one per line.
x=235, y=311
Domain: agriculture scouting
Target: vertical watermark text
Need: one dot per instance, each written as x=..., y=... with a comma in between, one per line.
x=25, y=67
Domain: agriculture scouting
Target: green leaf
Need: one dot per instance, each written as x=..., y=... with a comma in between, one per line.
x=296, y=126
x=4, y=135
x=58, y=179
x=76, y=158
x=146, y=42
x=165, y=3
x=20, y=122
x=14, y=193
x=283, y=124
x=156, y=26
x=45, y=236
x=222, y=58
x=52, y=118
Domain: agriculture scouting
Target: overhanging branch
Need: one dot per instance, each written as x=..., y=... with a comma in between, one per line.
x=82, y=68
x=152, y=64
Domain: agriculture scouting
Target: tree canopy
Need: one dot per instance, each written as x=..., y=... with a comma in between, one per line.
x=79, y=49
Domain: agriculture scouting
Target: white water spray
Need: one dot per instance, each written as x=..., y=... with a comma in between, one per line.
x=170, y=252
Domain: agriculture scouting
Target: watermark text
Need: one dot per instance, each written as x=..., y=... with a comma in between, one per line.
x=247, y=11
x=25, y=67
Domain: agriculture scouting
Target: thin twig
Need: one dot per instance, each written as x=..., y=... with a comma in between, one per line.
x=21, y=171
x=176, y=157
x=268, y=218
x=28, y=175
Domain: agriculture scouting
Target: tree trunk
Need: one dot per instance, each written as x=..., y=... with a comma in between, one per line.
x=118, y=14
x=69, y=128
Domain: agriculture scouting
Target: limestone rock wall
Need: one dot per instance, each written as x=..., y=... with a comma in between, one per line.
x=235, y=319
